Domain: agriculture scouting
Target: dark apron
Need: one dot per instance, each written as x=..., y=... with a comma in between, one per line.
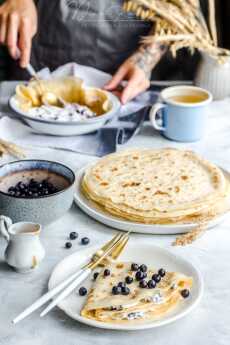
x=96, y=33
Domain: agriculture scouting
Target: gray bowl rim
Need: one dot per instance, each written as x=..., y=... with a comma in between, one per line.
x=43, y=196
x=107, y=116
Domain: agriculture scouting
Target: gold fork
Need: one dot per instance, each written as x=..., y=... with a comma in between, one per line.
x=112, y=248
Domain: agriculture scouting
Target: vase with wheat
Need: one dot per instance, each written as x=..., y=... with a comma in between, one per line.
x=181, y=24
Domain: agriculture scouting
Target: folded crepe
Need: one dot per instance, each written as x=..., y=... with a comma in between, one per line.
x=141, y=304
x=157, y=186
x=70, y=89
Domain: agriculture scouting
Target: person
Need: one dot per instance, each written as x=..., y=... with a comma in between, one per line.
x=96, y=33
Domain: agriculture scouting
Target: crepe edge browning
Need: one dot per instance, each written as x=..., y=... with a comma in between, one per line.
x=146, y=308
x=205, y=211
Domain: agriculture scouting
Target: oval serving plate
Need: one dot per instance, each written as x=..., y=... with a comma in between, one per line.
x=65, y=128
x=94, y=211
x=147, y=253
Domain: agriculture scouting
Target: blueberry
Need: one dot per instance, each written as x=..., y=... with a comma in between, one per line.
x=121, y=284
x=134, y=267
x=106, y=272
x=82, y=291
x=143, y=268
x=116, y=290
x=143, y=284
x=95, y=275
x=11, y=193
x=156, y=278
x=21, y=186
x=185, y=293
x=129, y=280
x=68, y=245
x=73, y=235
x=85, y=241
x=125, y=291
x=140, y=275
x=151, y=284
x=161, y=272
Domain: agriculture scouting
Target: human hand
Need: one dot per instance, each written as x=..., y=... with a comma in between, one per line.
x=136, y=77
x=18, y=25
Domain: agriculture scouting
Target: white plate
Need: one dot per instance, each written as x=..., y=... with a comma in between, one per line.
x=142, y=253
x=95, y=212
x=66, y=128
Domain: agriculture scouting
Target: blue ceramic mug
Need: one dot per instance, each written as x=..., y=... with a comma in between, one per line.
x=183, y=113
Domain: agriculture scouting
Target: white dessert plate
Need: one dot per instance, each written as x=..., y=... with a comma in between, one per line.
x=66, y=128
x=91, y=208
x=142, y=253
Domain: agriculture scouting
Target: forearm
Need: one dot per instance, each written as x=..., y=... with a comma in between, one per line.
x=147, y=56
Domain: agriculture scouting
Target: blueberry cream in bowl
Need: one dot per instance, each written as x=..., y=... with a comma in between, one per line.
x=35, y=190
x=63, y=106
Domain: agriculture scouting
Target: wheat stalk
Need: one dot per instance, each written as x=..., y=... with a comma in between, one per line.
x=179, y=23
x=12, y=149
x=212, y=21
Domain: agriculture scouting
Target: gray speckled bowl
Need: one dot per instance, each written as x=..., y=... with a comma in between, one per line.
x=43, y=209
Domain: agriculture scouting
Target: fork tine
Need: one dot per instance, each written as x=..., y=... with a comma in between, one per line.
x=109, y=251
x=119, y=248
x=114, y=239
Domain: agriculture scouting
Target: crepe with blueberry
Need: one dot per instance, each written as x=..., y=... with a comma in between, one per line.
x=126, y=292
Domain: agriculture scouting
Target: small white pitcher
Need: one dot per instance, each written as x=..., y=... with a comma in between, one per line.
x=24, y=251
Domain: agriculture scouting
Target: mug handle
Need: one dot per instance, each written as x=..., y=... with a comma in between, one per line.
x=153, y=113
x=5, y=224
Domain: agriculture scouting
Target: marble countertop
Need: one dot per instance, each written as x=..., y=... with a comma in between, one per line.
x=207, y=324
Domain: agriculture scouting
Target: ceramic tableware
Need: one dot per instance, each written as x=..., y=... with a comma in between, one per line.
x=67, y=128
x=43, y=209
x=214, y=76
x=135, y=252
x=24, y=250
x=91, y=208
x=184, y=113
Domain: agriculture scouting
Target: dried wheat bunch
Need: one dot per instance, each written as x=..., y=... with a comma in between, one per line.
x=179, y=24
x=9, y=148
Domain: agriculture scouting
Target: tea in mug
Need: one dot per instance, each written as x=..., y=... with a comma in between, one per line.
x=188, y=98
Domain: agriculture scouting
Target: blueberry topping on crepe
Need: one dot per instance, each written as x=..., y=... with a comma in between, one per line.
x=143, y=268
x=161, y=272
x=134, y=267
x=121, y=284
x=140, y=275
x=143, y=284
x=151, y=284
x=116, y=290
x=125, y=291
x=95, y=275
x=156, y=278
x=129, y=280
x=106, y=272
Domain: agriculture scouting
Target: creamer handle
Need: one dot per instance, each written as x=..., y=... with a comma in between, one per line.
x=5, y=223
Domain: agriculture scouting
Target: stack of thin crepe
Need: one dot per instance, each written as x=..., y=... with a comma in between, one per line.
x=70, y=89
x=166, y=186
x=141, y=304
